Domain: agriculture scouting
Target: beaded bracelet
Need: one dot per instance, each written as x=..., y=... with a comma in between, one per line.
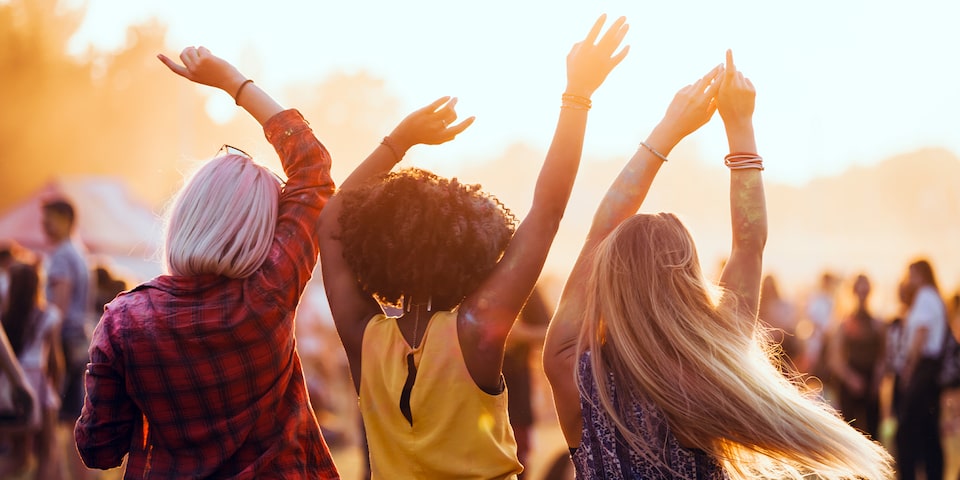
x=576, y=102
x=388, y=142
x=654, y=151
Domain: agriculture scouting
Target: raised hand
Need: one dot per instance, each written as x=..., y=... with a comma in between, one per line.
x=203, y=67
x=430, y=125
x=737, y=97
x=588, y=63
x=693, y=105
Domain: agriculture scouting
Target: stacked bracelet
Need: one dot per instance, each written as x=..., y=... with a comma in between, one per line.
x=654, y=151
x=575, y=102
x=236, y=97
x=741, y=161
x=388, y=142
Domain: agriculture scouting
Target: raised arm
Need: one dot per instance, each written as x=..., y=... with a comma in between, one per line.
x=306, y=162
x=742, y=274
x=350, y=306
x=690, y=109
x=487, y=315
x=201, y=66
x=430, y=125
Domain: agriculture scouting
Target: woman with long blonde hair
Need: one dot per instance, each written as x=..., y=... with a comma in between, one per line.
x=657, y=373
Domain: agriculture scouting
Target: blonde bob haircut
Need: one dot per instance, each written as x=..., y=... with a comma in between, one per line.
x=222, y=220
x=667, y=336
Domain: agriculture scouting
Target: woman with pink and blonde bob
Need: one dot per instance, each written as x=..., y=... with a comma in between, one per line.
x=195, y=374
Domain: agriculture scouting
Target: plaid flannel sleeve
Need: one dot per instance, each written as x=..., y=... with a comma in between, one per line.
x=293, y=256
x=104, y=430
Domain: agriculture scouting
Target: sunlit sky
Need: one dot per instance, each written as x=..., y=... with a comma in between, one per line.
x=839, y=82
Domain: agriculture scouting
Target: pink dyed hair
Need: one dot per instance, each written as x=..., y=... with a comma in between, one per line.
x=222, y=220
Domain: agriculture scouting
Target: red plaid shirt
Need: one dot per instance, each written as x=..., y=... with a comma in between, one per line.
x=199, y=377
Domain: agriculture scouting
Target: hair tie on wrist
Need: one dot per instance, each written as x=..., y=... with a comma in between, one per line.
x=236, y=97
x=742, y=161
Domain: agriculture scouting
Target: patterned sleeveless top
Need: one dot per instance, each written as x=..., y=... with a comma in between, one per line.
x=604, y=453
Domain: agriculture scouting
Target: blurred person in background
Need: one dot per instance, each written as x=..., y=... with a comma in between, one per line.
x=10, y=251
x=820, y=310
x=781, y=316
x=525, y=339
x=918, y=406
x=69, y=289
x=106, y=287
x=33, y=330
x=950, y=404
x=894, y=358
x=856, y=361
x=16, y=395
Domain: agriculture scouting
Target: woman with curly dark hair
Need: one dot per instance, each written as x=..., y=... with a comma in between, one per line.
x=431, y=391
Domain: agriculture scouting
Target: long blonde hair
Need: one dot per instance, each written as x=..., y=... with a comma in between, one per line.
x=658, y=328
x=223, y=219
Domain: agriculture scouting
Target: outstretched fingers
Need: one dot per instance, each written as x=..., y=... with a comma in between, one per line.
x=620, y=56
x=448, y=112
x=588, y=63
x=710, y=82
x=189, y=57
x=454, y=130
x=173, y=66
x=595, y=30
x=448, y=115
x=435, y=105
x=615, y=34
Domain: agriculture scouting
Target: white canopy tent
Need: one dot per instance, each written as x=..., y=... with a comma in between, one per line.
x=116, y=228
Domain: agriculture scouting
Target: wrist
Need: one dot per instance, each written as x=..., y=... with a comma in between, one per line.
x=740, y=137
x=578, y=91
x=663, y=139
x=401, y=142
x=395, y=148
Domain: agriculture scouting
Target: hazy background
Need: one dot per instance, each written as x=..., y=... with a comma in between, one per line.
x=856, y=111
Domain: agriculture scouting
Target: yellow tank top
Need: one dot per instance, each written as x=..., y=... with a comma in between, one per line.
x=457, y=430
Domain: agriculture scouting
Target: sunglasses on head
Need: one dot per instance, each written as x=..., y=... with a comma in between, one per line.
x=231, y=150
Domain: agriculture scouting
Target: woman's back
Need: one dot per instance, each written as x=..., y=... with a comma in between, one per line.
x=197, y=375
x=604, y=453
x=215, y=380
x=437, y=423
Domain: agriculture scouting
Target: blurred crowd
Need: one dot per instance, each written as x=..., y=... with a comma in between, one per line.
x=894, y=376
x=49, y=301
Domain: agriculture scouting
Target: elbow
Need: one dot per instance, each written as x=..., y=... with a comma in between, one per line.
x=547, y=218
x=100, y=457
x=552, y=368
x=95, y=453
x=558, y=362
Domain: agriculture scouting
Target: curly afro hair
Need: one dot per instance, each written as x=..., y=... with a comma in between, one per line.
x=414, y=234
